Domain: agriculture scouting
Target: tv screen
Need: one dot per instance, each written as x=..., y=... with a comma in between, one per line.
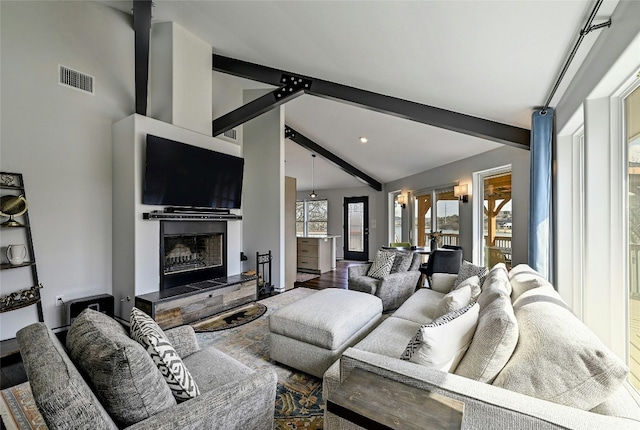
x=178, y=174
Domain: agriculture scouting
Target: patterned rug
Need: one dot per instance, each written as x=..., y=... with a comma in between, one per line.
x=230, y=319
x=299, y=403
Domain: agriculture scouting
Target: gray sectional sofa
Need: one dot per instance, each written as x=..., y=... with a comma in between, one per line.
x=530, y=365
x=112, y=382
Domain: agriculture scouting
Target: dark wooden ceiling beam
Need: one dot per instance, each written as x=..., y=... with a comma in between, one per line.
x=142, y=29
x=291, y=88
x=430, y=115
x=312, y=146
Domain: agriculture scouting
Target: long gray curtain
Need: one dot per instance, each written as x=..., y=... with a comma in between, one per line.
x=541, y=195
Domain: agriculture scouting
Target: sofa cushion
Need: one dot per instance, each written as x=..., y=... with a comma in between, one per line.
x=390, y=338
x=420, y=307
x=493, y=343
x=212, y=368
x=468, y=270
x=443, y=282
x=441, y=344
x=382, y=264
x=149, y=334
x=401, y=261
x=454, y=300
x=123, y=375
x=60, y=393
x=523, y=278
x=557, y=357
x=495, y=285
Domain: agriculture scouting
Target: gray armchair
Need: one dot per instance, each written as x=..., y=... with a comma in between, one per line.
x=392, y=289
x=232, y=395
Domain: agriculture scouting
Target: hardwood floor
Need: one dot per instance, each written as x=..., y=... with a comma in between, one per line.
x=334, y=279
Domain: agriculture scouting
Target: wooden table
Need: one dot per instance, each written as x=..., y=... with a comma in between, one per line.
x=375, y=402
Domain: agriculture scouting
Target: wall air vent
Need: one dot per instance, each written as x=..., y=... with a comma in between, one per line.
x=76, y=80
x=231, y=134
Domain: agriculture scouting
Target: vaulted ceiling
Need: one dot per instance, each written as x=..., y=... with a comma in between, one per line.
x=495, y=60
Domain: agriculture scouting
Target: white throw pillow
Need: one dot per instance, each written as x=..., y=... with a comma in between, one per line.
x=382, y=264
x=149, y=334
x=442, y=343
x=452, y=301
x=474, y=283
x=442, y=282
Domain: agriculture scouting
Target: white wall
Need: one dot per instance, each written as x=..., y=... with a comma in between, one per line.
x=263, y=189
x=60, y=139
x=462, y=171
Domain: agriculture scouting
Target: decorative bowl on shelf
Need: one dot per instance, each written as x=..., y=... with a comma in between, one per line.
x=12, y=206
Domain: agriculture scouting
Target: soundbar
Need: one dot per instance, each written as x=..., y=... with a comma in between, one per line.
x=178, y=209
x=191, y=216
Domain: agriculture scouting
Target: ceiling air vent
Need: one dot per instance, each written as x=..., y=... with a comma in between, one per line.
x=231, y=134
x=76, y=80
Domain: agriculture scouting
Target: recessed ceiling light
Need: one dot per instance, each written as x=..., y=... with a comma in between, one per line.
x=363, y=139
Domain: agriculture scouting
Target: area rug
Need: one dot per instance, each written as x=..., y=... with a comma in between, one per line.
x=304, y=277
x=230, y=319
x=299, y=403
x=18, y=409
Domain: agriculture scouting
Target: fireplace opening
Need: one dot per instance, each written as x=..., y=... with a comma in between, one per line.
x=191, y=251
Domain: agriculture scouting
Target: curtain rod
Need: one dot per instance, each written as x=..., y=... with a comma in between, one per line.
x=583, y=32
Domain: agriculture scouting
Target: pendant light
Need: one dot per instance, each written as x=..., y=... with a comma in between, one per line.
x=313, y=194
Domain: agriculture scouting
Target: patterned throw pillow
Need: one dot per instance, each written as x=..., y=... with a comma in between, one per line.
x=382, y=264
x=468, y=270
x=442, y=343
x=401, y=261
x=149, y=334
x=454, y=300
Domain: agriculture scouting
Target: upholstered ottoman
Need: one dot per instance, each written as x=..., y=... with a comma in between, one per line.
x=312, y=333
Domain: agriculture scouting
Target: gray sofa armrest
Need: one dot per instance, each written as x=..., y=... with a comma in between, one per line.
x=486, y=406
x=247, y=403
x=358, y=270
x=183, y=339
x=396, y=288
x=64, y=399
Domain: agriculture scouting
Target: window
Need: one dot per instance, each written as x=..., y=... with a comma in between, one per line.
x=632, y=139
x=312, y=218
x=444, y=217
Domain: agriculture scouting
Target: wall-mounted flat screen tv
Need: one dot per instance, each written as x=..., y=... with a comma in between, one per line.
x=177, y=174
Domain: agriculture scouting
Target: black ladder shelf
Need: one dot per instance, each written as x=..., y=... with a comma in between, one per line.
x=12, y=184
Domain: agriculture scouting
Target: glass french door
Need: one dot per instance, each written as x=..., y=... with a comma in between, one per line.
x=356, y=228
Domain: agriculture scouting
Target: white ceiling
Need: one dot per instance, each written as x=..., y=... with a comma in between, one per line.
x=491, y=59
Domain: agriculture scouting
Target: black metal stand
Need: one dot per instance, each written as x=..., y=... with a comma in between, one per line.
x=263, y=270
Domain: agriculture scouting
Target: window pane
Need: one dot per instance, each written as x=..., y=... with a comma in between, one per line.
x=497, y=220
x=299, y=211
x=632, y=121
x=355, y=225
x=448, y=217
x=317, y=210
x=397, y=220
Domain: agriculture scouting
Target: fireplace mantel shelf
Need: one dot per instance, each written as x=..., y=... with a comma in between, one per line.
x=191, y=216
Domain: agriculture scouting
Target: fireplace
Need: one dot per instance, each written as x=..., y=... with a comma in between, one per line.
x=192, y=251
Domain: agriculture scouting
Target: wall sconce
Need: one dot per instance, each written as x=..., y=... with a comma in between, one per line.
x=401, y=202
x=461, y=192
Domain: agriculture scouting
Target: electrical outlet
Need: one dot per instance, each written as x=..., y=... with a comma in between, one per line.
x=59, y=301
